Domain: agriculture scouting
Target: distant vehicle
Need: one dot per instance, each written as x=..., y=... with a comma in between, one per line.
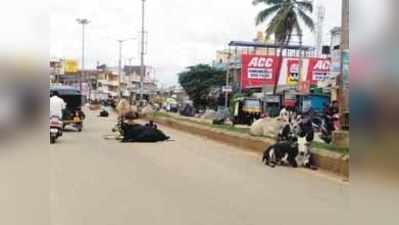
x=171, y=105
x=273, y=105
x=312, y=102
x=73, y=114
x=246, y=110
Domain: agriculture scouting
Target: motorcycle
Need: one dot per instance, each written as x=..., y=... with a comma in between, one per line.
x=56, y=128
x=325, y=125
x=322, y=124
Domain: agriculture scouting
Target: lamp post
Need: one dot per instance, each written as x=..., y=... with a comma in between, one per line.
x=142, y=67
x=226, y=94
x=82, y=22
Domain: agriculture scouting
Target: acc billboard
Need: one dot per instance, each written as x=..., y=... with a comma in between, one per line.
x=257, y=71
x=318, y=70
x=71, y=66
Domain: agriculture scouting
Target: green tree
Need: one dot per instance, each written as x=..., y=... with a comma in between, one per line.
x=285, y=19
x=197, y=81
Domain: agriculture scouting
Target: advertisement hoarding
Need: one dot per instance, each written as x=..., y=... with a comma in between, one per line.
x=257, y=71
x=318, y=70
x=71, y=66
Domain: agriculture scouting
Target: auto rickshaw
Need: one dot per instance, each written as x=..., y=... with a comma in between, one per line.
x=246, y=110
x=272, y=105
x=72, y=114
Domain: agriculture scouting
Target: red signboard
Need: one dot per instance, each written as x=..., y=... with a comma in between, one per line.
x=304, y=87
x=257, y=71
x=318, y=70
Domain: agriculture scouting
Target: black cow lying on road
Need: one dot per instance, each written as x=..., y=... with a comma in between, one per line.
x=139, y=133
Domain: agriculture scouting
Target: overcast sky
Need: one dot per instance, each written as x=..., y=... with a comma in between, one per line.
x=180, y=32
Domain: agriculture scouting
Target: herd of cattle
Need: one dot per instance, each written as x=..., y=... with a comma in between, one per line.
x=295, y=138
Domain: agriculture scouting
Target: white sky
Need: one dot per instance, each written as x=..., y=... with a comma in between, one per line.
x=180, y=32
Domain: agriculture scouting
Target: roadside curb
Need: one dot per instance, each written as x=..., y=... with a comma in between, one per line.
x=323, y=159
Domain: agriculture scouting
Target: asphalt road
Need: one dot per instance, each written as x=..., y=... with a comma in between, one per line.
x=188, y=181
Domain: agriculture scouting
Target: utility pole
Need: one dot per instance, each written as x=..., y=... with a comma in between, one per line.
x=343, y=79
x=226, y=94
x=142, y=66
x=82, y=22
x=321, y=12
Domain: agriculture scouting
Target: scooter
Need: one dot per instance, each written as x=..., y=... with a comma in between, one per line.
x=323, y=124
x=56, y=128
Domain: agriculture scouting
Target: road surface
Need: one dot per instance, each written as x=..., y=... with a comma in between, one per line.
x=188, y=181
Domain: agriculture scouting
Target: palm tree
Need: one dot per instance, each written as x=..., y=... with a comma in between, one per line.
x=286, y=16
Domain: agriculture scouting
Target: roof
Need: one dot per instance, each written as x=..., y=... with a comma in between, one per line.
x=132, y=69
x=65, y=90
x=260, y=45
x=62, y=87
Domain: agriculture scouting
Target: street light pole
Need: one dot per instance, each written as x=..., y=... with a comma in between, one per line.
x=226, y=94
x=83, y=22
x=142, y=67
x=343, y=77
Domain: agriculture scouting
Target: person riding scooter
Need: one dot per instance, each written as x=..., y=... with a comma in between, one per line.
x=57, y=105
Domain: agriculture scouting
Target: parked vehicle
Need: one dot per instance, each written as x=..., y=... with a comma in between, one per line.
x=313, y=102
x=56, y=128
x=187, y=110
x=73, y=114
x=246, y=110
x=171, y=105
x=324, y=124
x=321, y=123
x=272, y=105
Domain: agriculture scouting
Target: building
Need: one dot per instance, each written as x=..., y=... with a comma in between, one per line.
x=66, y=72
x=56, y=69
x=132, y=76
x=108, y=83
x=258, y=49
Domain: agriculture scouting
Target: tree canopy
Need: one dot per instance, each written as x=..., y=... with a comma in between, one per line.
x=198, y=80
x=285, y=17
